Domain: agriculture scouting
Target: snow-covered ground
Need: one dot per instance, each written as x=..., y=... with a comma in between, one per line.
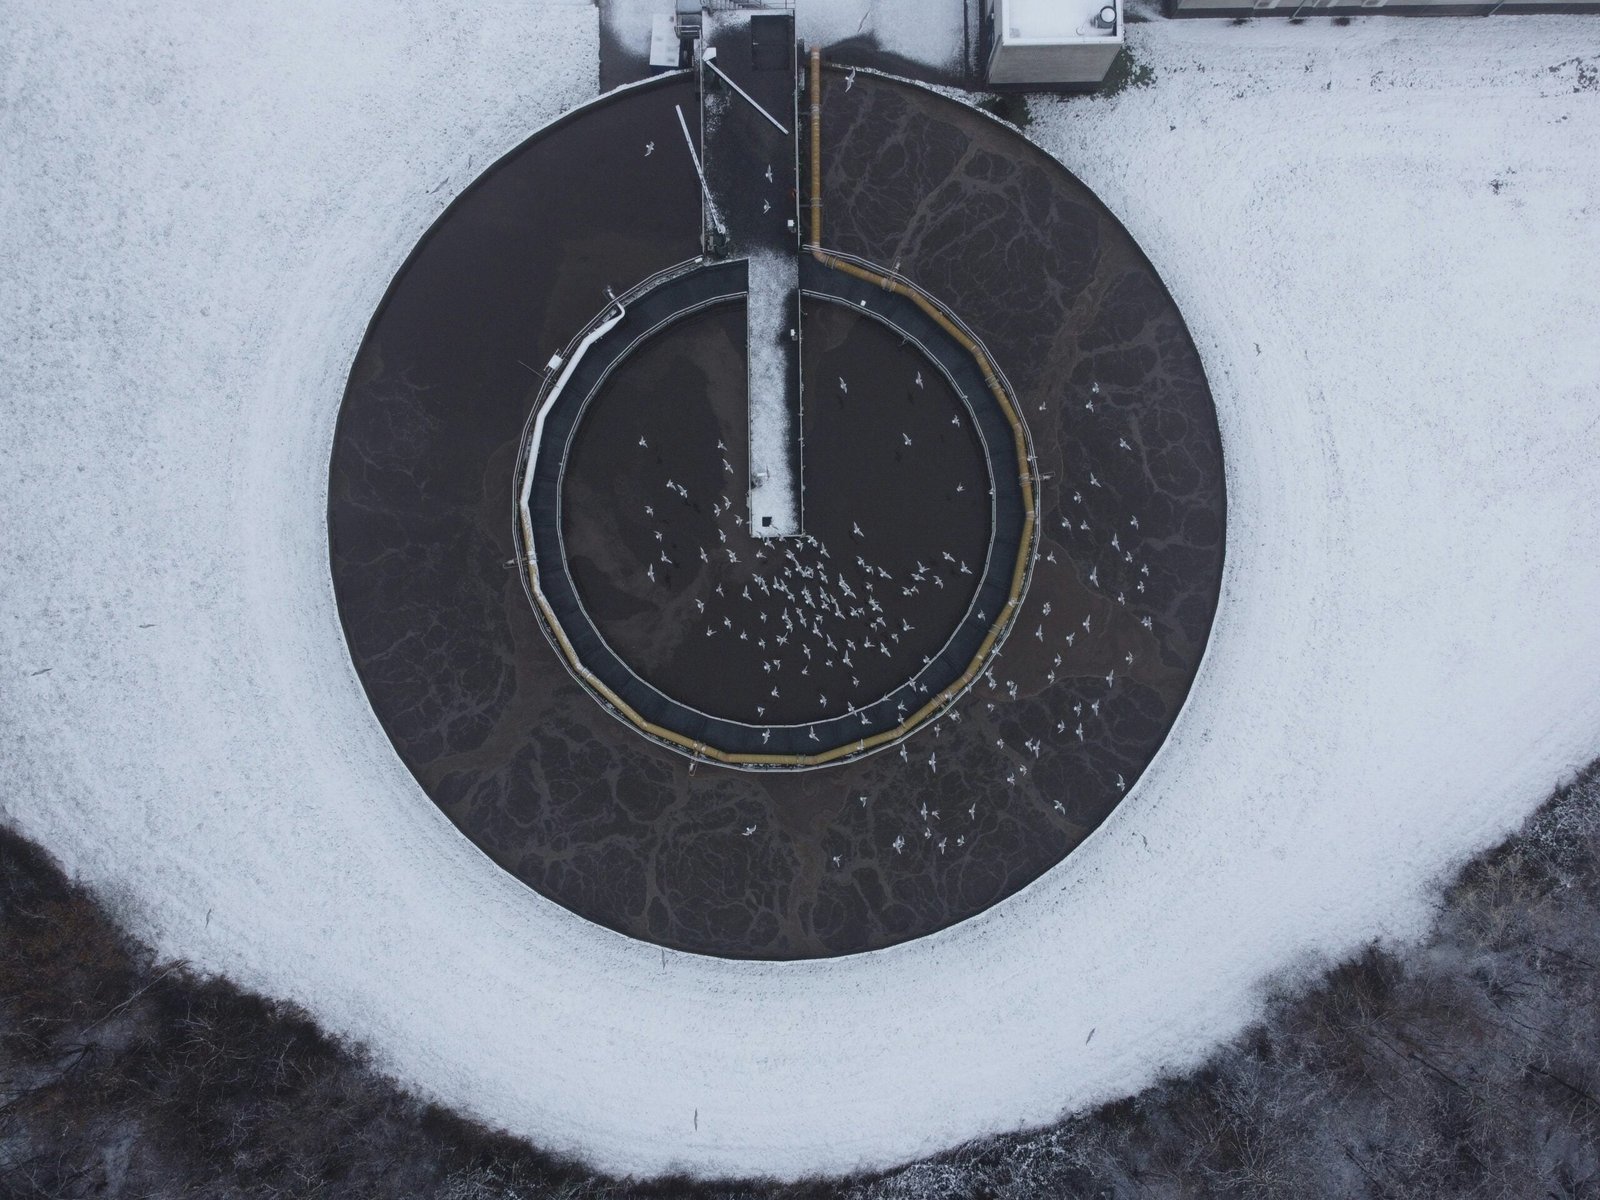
x=1385, y=239
x=924, y=31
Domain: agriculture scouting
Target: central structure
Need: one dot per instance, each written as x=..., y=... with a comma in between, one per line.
x=749, y=134
x=545, y=508
x=859, y=588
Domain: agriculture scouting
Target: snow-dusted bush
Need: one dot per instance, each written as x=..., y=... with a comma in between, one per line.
x=1466, y=1066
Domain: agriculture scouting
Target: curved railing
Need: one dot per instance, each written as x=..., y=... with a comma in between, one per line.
x=542, y=396
x=994, y=378
x=1027, y=483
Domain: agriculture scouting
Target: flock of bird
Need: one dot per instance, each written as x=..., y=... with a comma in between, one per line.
x=823, y=629
x=831, y=629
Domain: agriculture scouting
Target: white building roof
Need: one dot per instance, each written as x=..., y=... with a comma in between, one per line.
x=1056, y=20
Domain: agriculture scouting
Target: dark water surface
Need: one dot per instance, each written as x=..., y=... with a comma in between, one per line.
x=697, y=611
x=837, y=860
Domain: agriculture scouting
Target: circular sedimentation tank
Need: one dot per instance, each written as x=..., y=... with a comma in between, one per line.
x=789, y=747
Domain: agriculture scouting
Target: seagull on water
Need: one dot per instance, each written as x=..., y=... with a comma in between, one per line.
x=649, y=149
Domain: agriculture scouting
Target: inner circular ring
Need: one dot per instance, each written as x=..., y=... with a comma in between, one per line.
x=754, y=744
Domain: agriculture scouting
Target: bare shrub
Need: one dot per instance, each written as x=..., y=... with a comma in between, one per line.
x=1466, y=1066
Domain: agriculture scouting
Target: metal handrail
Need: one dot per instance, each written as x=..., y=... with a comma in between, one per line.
x=566, y=352
x=950, y=315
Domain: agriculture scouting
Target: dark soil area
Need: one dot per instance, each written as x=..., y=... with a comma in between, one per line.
x=1468, y=1066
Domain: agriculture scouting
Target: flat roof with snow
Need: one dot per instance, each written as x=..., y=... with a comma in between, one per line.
x=1053, y=21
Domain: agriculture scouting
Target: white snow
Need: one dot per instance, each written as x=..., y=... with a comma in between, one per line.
x=632, y=22
x=774, y=489
x=203, y=205
x=930, y=32
x=923, y=31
